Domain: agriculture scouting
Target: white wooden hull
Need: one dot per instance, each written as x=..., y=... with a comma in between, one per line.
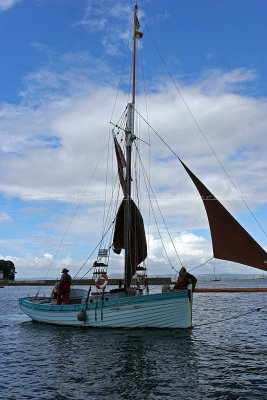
x=163, y=310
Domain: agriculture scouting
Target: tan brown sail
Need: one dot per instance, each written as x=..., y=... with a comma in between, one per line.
x=121, y=164
x=230, y=240
x=138, y=237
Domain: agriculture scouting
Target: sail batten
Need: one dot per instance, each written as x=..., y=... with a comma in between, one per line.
x=230, y=240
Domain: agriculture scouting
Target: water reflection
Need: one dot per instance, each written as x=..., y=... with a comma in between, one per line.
x=117, y=363
x=143, y=364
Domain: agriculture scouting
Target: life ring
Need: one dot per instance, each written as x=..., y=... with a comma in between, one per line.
x=105, y=282
x=141, y=280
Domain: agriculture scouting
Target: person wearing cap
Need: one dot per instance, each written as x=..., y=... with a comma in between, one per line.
x=64, y=287
x=184, y=279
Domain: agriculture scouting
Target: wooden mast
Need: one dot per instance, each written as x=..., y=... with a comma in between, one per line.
x=129, y=136
x=134, y=50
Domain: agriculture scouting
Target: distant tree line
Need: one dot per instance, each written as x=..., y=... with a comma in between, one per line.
x=8, y=269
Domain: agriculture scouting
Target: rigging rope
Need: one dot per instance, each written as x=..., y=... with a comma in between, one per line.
x=198, y=266
x=166, y=144
x=229, y=318
x=72, y=218
x=146, y=180
x=76, y=210
x=107, y=213
x=78, y=206
x=88, y=258
x=125, y=57
x=149, y=142
x=106, y=184
x=110, y=212
x=202, y=133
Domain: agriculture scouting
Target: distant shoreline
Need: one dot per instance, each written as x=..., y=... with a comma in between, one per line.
x=85, y=282
x=115, y=281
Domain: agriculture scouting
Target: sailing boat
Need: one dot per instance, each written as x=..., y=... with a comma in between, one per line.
x=131, y=306
x=214, y=276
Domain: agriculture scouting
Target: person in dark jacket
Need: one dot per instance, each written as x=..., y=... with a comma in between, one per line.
x=184, y=279
x=64, y=287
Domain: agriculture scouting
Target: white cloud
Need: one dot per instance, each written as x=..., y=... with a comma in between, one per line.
x=37, y=267
x=50, y=148
x=65, y=131
x=96, y=13
x=102, y=17
x=188, y=246
x=6, y=4
x=4, y=217
x=217, y=81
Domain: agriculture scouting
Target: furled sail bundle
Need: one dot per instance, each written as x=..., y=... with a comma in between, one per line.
x=230, y=240
x=138, y=238
x=138, y=244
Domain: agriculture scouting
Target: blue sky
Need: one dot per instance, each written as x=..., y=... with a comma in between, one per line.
x=59, y=72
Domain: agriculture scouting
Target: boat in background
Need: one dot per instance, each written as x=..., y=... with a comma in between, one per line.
x=215, y=279
x=132, y=306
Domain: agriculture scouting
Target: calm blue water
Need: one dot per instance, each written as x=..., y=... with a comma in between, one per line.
x=224, y=360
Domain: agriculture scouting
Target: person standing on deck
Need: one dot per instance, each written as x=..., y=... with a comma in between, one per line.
x=64, y=287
